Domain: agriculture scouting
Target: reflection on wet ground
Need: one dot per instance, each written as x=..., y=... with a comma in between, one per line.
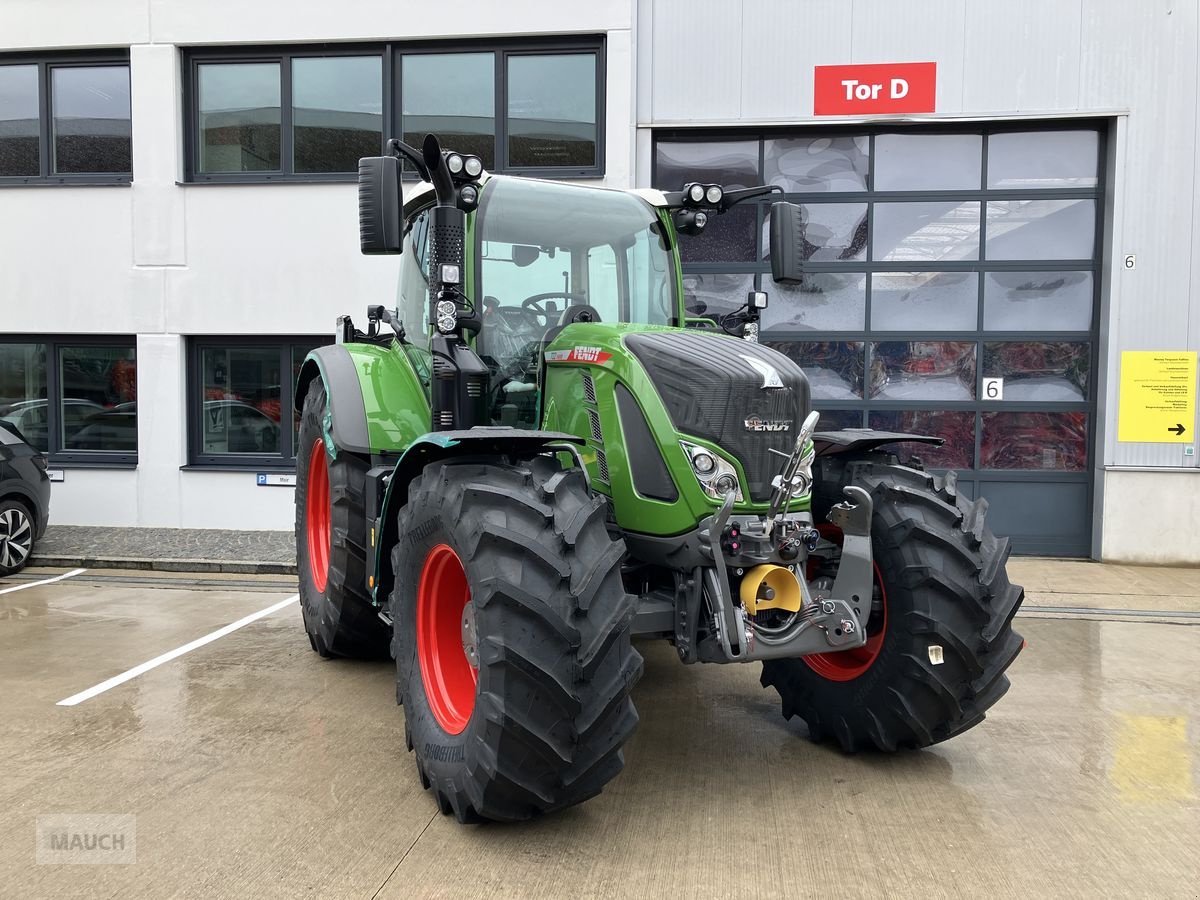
x=255, y=768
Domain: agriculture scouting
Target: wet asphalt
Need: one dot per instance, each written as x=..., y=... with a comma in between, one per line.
x=256, y=769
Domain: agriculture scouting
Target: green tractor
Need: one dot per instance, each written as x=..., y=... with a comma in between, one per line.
x=543, y=458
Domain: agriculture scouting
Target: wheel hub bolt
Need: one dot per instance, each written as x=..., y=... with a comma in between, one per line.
x=469, y=640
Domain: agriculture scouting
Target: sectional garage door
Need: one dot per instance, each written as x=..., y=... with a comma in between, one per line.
x=950, y=288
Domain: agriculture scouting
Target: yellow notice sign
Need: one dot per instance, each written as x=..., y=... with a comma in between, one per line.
x=1158, y=397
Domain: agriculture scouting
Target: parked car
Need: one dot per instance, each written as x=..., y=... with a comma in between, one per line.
x=30, y=417
x=24, y=498
x=230, y=426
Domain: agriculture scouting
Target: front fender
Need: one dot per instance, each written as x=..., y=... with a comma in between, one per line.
x=492, y=442
x=861, y=440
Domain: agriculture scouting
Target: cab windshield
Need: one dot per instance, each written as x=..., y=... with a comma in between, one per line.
x=546, y=248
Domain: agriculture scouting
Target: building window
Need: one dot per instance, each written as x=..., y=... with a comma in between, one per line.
x=65, y=119
x=74, y=399
x=279, y=114
x=240, y=400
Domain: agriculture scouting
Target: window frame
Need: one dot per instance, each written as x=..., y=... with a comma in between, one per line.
x=392, y=55
x=284, y=460
x=46, y=62
x=54, y=343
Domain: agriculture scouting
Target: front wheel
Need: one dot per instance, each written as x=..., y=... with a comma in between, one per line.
x=512, y=633
x=939, y=637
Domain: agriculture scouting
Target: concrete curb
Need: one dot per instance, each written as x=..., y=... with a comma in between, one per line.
x=232, y=567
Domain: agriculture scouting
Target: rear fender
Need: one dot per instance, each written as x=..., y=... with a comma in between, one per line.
x=376, y=401
x=488, y=442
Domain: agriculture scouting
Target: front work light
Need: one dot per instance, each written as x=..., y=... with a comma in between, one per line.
x=454, y=163
x=447, y=316
x=709, y=196
x=473, y=166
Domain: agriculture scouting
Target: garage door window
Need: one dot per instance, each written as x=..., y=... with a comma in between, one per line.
x=949, y=287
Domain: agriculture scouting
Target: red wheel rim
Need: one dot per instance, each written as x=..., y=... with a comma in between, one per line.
x=317, y=515
x=846, y=665
x=449, y=677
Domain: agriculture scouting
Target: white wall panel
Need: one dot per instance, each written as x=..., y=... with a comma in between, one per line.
x=210, y=499
x=38, y=24
x=96, y=497
x=697, y=63
x=162, y=447
x=65, y=261
x=1168, y=505
x=236, y=21
x=929, y=31
x=1044, y=35
x=159, y=238
x=274, y=259
x=1142, y=57
x=781, y=42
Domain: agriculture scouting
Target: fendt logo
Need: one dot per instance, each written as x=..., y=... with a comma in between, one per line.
x=754, y=423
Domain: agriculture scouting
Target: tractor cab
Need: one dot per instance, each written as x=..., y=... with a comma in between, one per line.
x=548, y=255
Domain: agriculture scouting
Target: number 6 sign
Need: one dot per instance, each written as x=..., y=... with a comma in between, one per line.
x=993, y=388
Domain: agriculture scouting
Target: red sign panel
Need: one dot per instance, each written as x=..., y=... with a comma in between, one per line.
x=874, y=89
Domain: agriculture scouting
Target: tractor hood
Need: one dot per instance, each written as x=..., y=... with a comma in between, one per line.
x=741, y=396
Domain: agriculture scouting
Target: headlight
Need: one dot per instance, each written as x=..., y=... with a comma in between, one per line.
x=473, y=166
x=696, y=193
x=717, y=476
x=454, y=163
x=703, y=463
x=714, y=194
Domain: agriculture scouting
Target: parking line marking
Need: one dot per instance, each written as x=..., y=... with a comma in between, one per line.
x=21, y=587
x=173, y=654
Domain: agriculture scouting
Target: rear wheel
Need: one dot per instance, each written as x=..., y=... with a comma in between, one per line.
x=512, y=632
x=939, y=636
x=16, y=536
x=331, y=542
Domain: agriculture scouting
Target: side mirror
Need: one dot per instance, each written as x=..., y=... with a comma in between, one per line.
x=787, y=242
x=380, y=205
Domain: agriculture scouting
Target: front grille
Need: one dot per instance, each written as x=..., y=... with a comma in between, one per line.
x=589, y=388
x=710, y=389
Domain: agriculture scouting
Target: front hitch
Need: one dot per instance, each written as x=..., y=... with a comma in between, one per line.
x=823, y=624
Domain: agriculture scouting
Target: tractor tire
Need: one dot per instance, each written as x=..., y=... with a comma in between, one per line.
x=940, y=638
x=331, y=543
x=512, y=634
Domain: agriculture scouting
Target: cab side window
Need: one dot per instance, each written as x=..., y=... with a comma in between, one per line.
x=604, y=282
x=413, y=297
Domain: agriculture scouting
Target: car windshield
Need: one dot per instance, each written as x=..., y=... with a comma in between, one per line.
x=571, y=246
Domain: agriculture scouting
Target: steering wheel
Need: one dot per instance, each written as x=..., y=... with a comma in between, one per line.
x=534, y=303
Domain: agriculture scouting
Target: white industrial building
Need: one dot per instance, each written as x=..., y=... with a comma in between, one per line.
x=178, y=222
